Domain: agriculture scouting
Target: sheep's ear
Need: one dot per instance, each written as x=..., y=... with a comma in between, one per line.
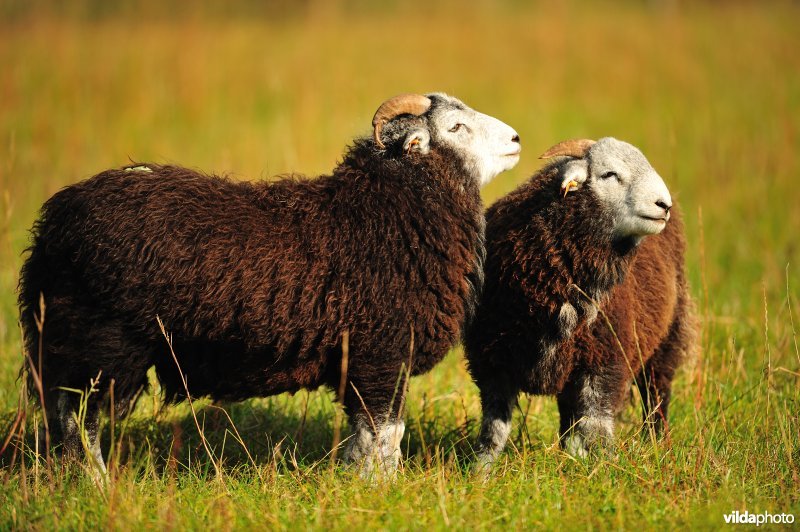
x=418, y=140
x=575, y=175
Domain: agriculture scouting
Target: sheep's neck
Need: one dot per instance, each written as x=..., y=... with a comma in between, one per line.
x=591, y=266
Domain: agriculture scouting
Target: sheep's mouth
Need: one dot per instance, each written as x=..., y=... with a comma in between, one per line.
x=662, y=219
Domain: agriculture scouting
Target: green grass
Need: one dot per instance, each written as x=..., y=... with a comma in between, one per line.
x=711, y=94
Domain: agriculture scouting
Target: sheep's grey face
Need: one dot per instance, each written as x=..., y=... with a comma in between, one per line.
x=626, y=185
x=487, y=145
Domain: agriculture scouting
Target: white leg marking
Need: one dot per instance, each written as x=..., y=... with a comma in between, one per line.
x=94, y=448
x=587, y=433
x=378, y=454
x=596, y=427
x=72, y=436
x=66, y=417
x=492, y=440
x=575, y=445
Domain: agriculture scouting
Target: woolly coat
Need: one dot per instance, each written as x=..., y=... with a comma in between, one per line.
x=543, y=251
x=256, y=282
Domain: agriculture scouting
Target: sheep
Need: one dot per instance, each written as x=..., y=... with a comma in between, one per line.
x=572, y=241
x=257, y=283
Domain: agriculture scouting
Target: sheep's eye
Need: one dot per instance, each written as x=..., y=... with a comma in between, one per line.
x=456, y=128
x=609, y=175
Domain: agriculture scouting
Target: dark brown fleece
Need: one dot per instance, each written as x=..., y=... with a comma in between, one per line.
x=540, y=246
x=256, y=282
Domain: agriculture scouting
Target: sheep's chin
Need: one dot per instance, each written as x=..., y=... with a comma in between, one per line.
x=638, y=227
x=628, y=236
x=487, y=168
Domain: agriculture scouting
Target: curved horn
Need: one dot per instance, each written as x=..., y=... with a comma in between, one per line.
x=570, y=148
x=413, y=104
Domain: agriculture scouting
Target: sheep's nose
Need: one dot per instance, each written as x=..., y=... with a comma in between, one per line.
x=515, y=138
x=664, y=205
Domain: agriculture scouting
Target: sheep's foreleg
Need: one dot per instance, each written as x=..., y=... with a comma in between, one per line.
x=655, y=387
x=376, y=450
x=587, y=407
x=374, y=405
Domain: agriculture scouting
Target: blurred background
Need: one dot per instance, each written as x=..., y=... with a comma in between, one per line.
x=710, y=91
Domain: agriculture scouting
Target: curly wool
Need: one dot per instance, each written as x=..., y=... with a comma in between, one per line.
x=256, y=282
x=549, y=262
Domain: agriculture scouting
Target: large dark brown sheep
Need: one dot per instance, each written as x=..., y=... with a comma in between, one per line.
x=572, y=238
x=258, y=282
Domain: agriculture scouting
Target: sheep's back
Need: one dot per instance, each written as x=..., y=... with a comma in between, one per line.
x=171, y=242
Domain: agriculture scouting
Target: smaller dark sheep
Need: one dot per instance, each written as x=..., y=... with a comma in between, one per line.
x=259, y=282
x=570, y=240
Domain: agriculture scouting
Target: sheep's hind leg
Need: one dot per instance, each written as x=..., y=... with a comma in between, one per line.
x=655, y=386
x=67, y=408
x=497, y=403
x=655, y=379
x=587, y=406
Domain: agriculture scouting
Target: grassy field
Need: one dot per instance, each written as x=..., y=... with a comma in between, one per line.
x=711, y=94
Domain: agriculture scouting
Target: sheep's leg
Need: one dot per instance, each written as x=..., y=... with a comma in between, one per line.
x=497, y=403
x=67, y=413
x=587, y=406
x=97, y=357
x=53, y=427
x=656, y=390
x=655, y=379
x=376, y=449
x=374, y=413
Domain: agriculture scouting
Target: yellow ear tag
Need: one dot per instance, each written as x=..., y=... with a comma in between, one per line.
x=570, y=186
x=411, y=145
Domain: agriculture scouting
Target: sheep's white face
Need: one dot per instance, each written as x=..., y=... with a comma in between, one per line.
x=488, y=145
x=624, y=182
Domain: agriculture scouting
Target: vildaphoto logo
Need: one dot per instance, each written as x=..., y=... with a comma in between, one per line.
x=764, y=518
